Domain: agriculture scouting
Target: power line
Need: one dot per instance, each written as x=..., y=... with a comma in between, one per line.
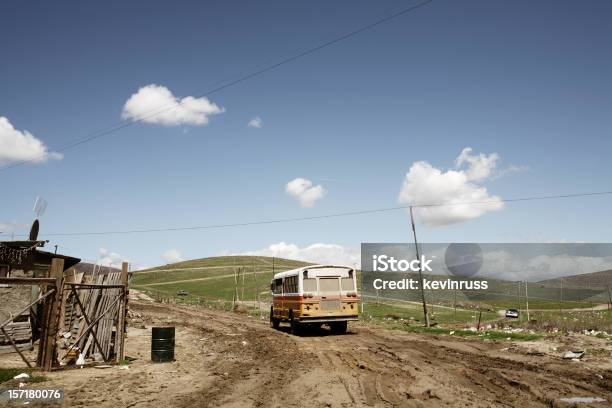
x=325, y=216
x=153, y=113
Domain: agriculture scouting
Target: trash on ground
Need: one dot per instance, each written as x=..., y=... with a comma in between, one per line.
x=570, y=355
x=586, y=400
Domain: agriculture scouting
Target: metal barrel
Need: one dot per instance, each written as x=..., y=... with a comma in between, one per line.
x=162, y=344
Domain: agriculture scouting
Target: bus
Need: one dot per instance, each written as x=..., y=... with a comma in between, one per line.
x=315, y=295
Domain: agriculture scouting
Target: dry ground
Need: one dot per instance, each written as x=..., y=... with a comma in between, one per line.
x=233, y=360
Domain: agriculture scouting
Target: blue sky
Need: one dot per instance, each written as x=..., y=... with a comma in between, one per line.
x=527, y=81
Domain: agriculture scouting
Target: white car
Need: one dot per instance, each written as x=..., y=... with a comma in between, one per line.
x=512, y=313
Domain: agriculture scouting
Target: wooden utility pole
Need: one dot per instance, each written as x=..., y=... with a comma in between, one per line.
x=243, y=273
x=454, y=304
x=518, y=298
x=120, y=330
x=256, y=286
x=527, y=301
x=609, y=298
x=561, y=302
x=416, y=246
x=235, y=289
x=590, y=298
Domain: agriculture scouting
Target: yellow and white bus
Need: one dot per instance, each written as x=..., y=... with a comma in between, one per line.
x=313, y=296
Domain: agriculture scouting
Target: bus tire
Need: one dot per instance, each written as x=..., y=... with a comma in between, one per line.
x=338, y=327
x=296, y=327
x=274, y=322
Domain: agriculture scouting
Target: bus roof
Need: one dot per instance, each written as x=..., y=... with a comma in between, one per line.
x=295, y=272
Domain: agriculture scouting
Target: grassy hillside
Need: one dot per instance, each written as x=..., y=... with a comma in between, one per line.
x=213, y=278
x=499, y=295
x=601, y=280
x=211, y=283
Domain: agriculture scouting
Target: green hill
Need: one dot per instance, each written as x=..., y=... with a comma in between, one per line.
x=601, y=280
x=213, y=278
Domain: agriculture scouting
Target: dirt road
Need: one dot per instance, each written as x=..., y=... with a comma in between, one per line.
x=232, y=360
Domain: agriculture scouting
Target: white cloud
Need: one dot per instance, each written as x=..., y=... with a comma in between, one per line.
x=10, y=226
x=156, y=104
x=304, y=192
x=18, y=145
x=109, y=258
x=316, y=253
x=172, y=256
x=478, y=167
x=256, y=123
x=425, y=184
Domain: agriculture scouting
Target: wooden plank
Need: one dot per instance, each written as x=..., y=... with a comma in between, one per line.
x=67, y=309
x=120, y=331
x=57, y=272
x=93, y=331
x=93, y=323
x=96, y=286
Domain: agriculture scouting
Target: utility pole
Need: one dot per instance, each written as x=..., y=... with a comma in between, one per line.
x=518, y=298
x=609, y=297
x=256, y=286
x=591, y=299
x=416, y=247
x=561, y=302
x=527, y=301
x=454, y=304
x=243, y=273
x=235, y=289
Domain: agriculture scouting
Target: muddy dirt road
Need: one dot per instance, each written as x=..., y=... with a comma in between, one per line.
x=232, y=360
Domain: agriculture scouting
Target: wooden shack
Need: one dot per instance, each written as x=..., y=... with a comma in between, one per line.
x=24, y=259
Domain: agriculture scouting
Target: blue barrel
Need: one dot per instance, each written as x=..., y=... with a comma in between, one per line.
x=162, y=344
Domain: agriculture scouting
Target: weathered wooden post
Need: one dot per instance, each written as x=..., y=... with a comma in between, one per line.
x=122, y=311
x=52, y=316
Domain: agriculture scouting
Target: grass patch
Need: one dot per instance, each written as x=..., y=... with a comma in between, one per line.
x=126, y=361
x=7, y=374
x=485, y=334
x=414, y=312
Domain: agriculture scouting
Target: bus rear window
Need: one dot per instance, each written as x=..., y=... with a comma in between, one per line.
x=329, y=285
x=310, y=285
x=347, y=284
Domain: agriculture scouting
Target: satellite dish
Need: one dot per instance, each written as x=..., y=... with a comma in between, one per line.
x=34, y=230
